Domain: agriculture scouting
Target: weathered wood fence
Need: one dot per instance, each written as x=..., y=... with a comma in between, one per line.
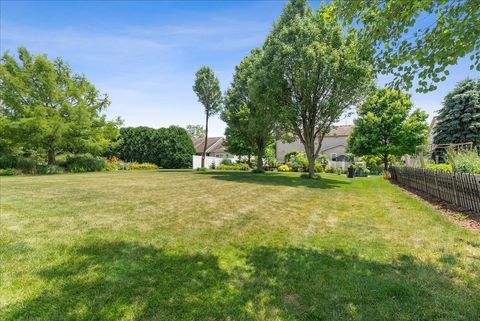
x=456, y=188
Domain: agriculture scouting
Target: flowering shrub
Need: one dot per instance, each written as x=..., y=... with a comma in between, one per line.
x=283, y=168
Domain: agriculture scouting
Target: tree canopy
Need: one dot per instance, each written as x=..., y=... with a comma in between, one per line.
x=458, y=120
x=385, y=126
x=249, y=118
x=195, y=131
x=207, y=88
x=47, y=108
x=416, y=39
x=314, y=71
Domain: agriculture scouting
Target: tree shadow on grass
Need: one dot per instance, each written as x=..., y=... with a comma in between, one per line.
x=275, y=179
x=124, y=280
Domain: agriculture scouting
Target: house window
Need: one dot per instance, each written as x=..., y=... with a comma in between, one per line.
x=333, y=157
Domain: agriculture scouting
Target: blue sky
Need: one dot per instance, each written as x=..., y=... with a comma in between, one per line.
x=144, y=54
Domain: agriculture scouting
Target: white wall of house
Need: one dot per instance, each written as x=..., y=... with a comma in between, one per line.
x=331, y=145
x=197, y=161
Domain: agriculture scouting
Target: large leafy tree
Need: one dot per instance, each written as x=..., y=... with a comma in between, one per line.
x=46, y=107
x=195, y=131
x=417, y=39
x=385, y=126
x=459, y=118
x=236, y=144
x=249, y=118
x=314, y=71
x=208, y=91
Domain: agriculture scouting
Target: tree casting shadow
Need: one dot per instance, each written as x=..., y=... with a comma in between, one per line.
x=278, y=179
x=125, y=280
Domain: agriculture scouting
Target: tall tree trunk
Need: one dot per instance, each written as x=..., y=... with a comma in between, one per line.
x=310, y=151
x=385, y=161
x=51, y=157
x=260, y=153
x=206, y=140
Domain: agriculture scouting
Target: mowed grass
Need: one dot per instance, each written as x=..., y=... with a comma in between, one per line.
x=184, y=245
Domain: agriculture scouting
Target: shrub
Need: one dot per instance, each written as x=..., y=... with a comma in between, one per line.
x=26, y=165
x=226, y=161
x=8, y=172
x=440, y=167
x=283, y=168
x=49, y=169
x=290, y=155
x=234, y=167
x=166, y=147
x=297, y=162
x=143, y=166
x=258, y=170
x=466, y=162
x=318, y=167
x=110, y=166
x=329, y=169
x=84, y=163
x=8, y=162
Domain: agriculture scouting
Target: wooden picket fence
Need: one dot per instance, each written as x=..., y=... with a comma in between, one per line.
x=456, y=188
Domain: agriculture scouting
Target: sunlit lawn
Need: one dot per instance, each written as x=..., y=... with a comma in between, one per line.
x=183, y=245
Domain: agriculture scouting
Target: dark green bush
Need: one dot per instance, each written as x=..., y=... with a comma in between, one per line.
x=49, y=169
x=85, y=163
x=7, y=161
x=8, y=172
x=26, y=165
x=169, y=147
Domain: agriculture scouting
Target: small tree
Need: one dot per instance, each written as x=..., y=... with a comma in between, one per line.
x=248, y=117
x=195, y=131
x=459, y=118
x=47, y=108
x=314, y=71
x=209, y=94
x=385, y=127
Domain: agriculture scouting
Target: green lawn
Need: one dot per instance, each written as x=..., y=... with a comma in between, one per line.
x=183, y=245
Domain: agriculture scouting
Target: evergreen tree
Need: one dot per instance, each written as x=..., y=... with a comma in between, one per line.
x=459, y=118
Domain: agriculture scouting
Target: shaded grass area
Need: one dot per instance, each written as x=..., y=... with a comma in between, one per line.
x=229, y=246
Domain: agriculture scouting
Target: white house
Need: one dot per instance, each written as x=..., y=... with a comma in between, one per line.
x=215, y=147
x=334, y=144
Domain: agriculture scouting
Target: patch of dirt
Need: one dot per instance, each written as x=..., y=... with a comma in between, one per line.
x=456, y=214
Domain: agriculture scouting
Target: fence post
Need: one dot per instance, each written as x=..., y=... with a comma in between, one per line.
x=455, y=189
x=436, y=183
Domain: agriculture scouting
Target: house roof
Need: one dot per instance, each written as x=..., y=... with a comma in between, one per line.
x=342, y=130
x=214, y=144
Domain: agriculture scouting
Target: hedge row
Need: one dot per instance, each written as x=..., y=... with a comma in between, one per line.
x=167, y=147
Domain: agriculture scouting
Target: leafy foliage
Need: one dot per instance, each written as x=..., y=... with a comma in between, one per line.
x=49, y=109
x=233, y=167
x=466, y=161
x=313, y=71
x=408, y=48
x=459, y=119
x=195, y=131
x=385, y=127
x=85, y=163
x=8, y=171
x=249, y=118
x=166, y=147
